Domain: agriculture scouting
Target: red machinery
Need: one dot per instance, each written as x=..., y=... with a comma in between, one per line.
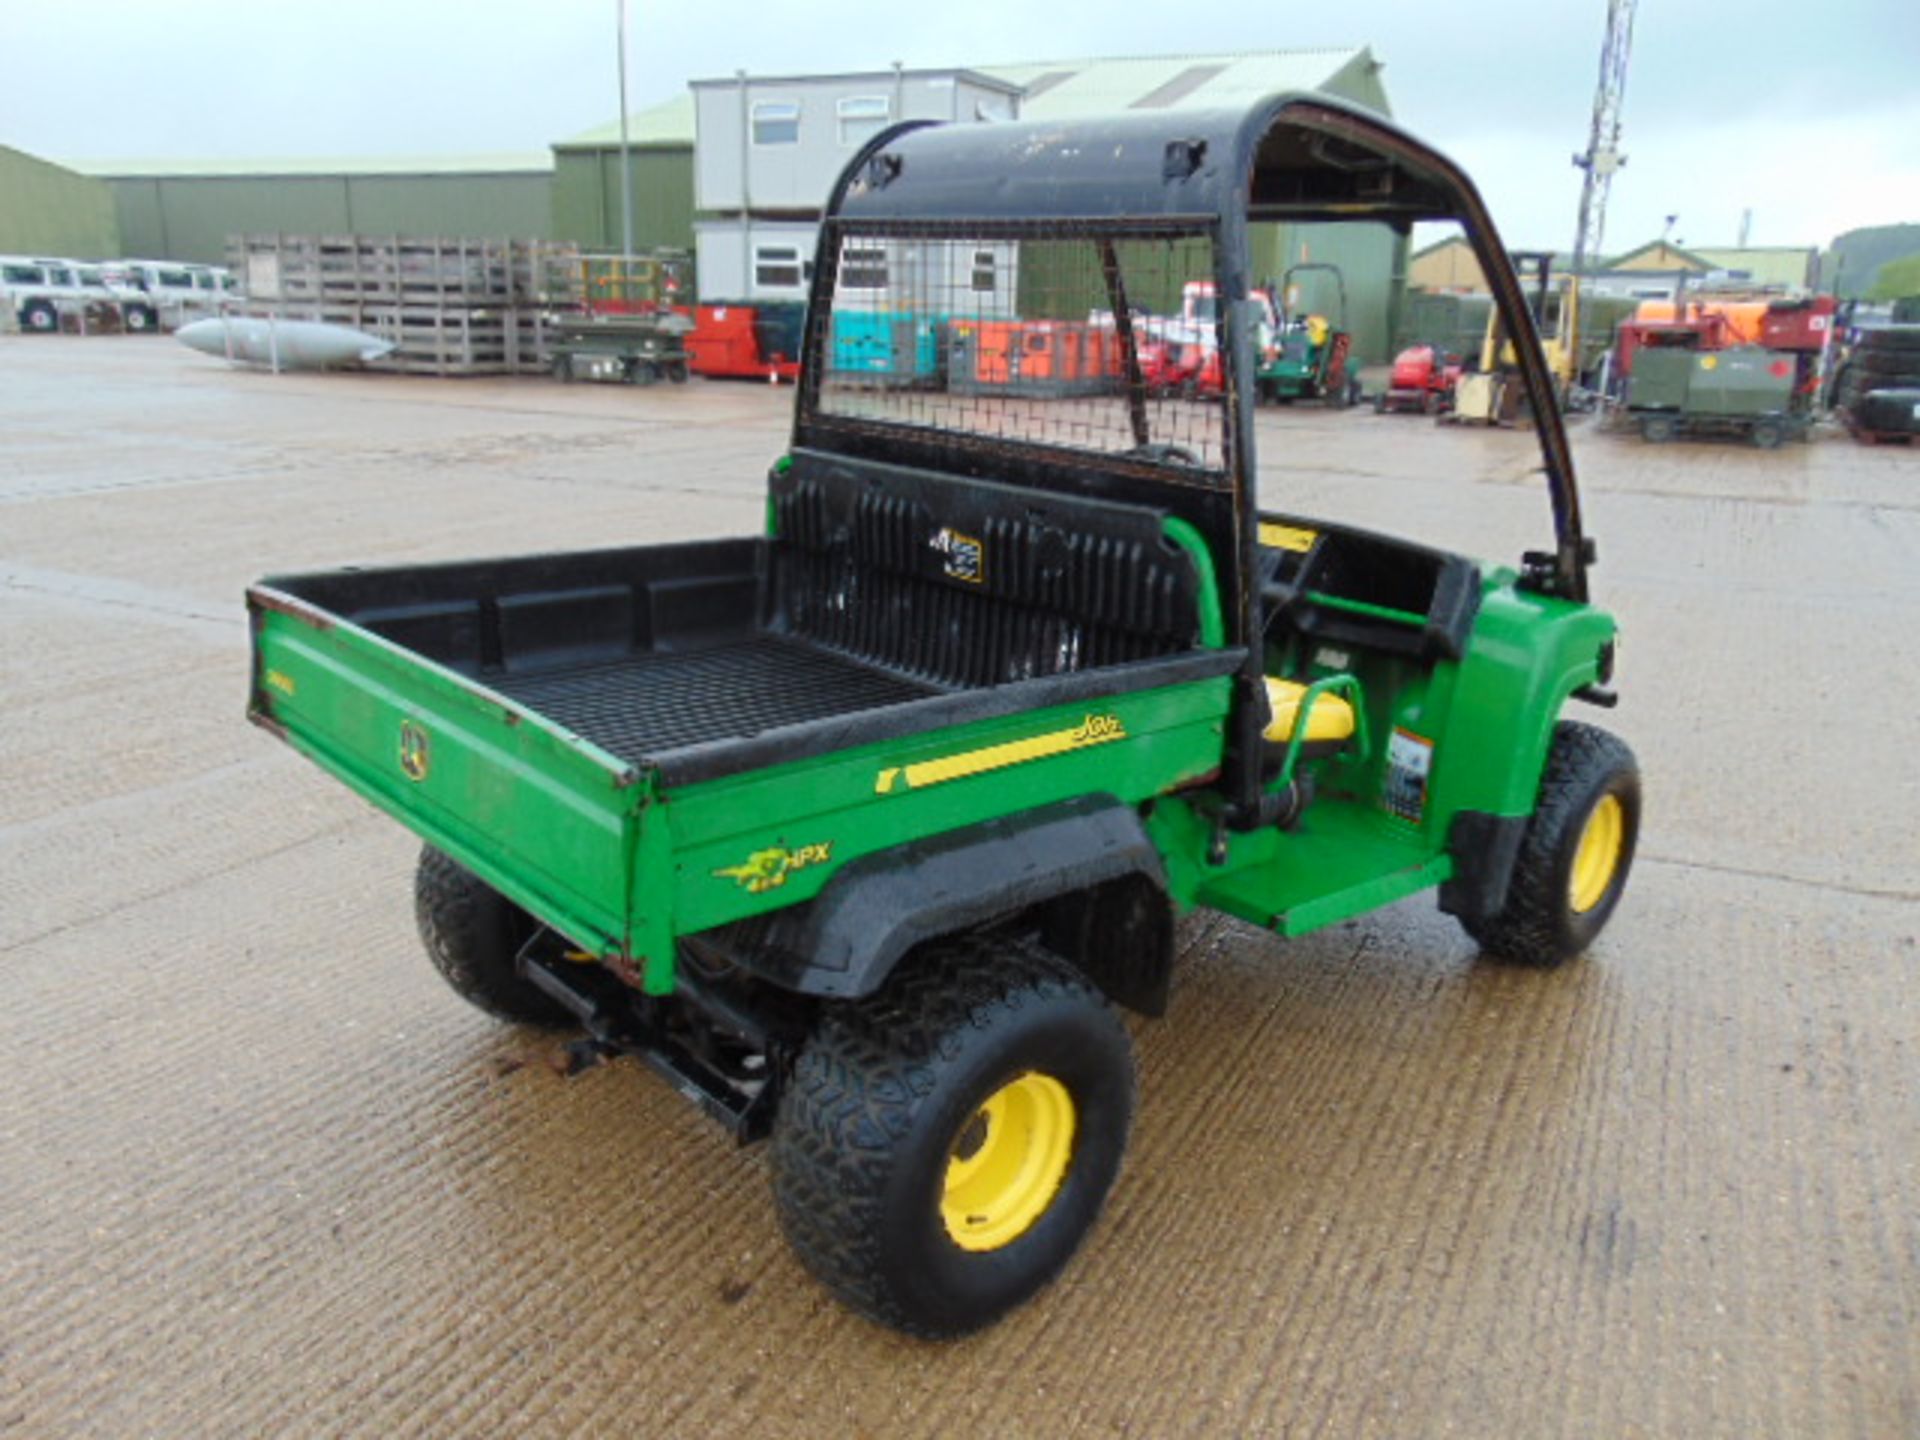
x=1803, y=325
x=1421, y=379
x=1705, y=331
x=1801, y=328
x=738, y=342
x=1183, y=355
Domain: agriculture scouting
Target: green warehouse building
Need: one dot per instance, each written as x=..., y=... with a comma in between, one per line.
x=186, y=211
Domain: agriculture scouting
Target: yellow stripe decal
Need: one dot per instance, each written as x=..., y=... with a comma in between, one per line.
x=1287, y=537
x=1094, y=730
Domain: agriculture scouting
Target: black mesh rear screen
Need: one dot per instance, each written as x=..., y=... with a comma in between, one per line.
x=1056, y=338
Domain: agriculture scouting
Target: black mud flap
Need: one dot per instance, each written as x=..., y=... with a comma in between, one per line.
x=1484, y=848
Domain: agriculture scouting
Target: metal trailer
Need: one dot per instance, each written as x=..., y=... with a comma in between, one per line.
x=1745, y=393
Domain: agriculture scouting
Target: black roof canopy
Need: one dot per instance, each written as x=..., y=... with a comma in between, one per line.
x=1293, y=156
x=1290, y=157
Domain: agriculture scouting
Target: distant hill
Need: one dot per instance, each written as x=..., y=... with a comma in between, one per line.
x=1856, y=257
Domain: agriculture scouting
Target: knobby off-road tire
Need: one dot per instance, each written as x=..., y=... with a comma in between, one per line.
x=904, y=1110
x=472, y=933
x=1556, y=906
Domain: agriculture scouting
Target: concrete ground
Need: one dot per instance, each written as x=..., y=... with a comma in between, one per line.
x=260, y=1173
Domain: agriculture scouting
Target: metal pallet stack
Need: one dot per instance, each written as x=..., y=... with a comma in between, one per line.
x=453, y=306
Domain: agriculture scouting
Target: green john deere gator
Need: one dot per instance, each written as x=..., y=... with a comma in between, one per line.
x=860, y=828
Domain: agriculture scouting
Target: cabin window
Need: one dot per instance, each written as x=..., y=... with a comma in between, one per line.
x=863, y=269
x=777, y=266
x=776, y=122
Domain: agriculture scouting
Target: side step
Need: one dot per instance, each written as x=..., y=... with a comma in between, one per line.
x=619, y=1022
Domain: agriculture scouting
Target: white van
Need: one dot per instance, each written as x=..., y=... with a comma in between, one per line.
x=40, y=290
x=138, y=314
x=178, y=291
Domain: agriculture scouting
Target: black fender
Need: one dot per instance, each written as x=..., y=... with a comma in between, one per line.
x=845, y=942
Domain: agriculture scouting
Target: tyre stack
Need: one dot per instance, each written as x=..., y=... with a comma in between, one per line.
x=1877, y=389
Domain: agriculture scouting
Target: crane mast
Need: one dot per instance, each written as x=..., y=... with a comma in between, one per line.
x=1602, y=156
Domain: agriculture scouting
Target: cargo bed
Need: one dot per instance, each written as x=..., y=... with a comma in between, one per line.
x=535, y=716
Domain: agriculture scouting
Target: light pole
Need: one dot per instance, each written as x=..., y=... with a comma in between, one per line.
x=626, y=160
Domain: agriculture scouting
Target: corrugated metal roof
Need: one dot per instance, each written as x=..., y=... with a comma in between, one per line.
x=977, y=77
x=1668, y=255
x=1791, y=265
x=1165, y=97
x=1097, y=86
x=668, y=123
x=1067, y=88
x=320, y=165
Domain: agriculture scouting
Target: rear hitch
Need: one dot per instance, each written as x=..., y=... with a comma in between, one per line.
x=620, y=1022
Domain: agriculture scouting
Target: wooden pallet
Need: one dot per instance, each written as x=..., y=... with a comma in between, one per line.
x=453, y=305
x=436, y=339
x=406, y=270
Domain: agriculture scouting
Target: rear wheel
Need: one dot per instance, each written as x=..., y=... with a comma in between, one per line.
x=39, y=317
x=1658, y=429
x=943, y=1146
x=1575, y=855
x=472, y=934
x=139, y=319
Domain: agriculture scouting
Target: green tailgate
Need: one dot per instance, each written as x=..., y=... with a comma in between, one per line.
x=544, y=817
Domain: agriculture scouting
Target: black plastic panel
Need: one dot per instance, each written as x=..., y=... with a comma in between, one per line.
x=866, y=562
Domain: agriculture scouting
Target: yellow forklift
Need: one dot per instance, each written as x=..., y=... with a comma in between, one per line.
x=1487, y=395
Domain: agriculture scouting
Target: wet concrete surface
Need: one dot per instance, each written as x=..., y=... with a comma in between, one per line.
x=261, y=1174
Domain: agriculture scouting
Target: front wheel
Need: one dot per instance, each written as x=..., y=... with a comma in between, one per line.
x=943, y=1146
x=1575, y=854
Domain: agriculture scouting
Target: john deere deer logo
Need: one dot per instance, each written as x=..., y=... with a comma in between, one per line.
x=415, y=756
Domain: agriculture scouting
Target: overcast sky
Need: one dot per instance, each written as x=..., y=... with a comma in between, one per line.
x=1809, y=113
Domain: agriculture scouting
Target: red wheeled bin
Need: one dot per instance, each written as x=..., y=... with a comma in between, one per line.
x=743, y=342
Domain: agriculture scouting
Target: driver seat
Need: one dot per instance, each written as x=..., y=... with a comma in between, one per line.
x=1329, y=723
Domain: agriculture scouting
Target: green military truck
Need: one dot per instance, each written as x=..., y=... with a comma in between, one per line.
x=1743, y=393
x=860, y=829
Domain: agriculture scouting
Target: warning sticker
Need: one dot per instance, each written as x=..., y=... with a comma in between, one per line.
x=1409, y=761
x=965, y=556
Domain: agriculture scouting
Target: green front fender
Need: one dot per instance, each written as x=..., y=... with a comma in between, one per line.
x=1528, y=653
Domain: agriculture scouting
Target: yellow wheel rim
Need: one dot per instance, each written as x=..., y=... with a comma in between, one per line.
x=1007, y=1162
x=1596, y=860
